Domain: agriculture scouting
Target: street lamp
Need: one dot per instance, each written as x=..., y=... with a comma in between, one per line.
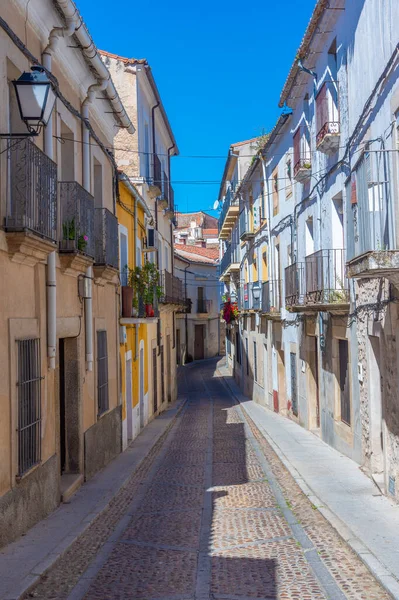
x=36, y=98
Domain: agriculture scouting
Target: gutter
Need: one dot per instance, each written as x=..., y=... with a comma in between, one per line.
x=90, y=52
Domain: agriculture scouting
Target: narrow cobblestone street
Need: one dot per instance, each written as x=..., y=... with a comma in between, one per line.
x=211, y=513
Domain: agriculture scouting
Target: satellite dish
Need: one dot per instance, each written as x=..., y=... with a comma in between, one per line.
x=216, y=205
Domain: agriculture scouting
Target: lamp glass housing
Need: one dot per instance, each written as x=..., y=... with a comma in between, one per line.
x=35, y=97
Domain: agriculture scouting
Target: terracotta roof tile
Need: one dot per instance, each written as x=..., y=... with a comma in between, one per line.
x=130, y=61
x=210, y=255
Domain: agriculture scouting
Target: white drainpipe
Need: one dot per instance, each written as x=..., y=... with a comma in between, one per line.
x=87, y=185
x=51, y=279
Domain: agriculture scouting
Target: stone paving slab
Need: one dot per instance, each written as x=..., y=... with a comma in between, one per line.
x=23, y=561
x=344, y=495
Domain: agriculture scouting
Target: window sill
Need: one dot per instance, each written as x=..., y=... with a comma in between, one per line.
x=19, y=478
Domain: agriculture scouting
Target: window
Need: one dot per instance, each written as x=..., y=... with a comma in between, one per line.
x=146, y=155
x=255, y=363
x=123, y=254
x=162, y=376
x=344, y=381
x=29, y=404
x=275, y=192
x=102, y=372
x=155, y=377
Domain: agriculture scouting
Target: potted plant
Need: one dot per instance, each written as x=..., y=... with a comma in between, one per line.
x=149, y=284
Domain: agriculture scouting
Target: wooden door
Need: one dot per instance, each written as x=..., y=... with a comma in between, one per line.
x=199, y=342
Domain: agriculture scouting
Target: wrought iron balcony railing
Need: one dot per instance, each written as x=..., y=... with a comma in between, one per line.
x=157, y=171
x=271, y=296
x=231, y=256
x=32, y=197
x=172, y=289
x=245, y=225
x=204, y=306
x=325, y=277
x=106, y=238
x=330, y=128
x=229, y=202
x=294, y=284
x=77, y=219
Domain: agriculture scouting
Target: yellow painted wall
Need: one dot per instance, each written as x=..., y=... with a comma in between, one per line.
x=125, y=214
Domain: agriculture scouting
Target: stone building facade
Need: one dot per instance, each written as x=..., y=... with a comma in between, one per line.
x=309, y=239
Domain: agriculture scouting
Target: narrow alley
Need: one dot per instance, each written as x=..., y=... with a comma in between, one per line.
x=210, y=513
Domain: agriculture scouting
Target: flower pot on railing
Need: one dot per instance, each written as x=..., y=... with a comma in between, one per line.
x=149, y=310
x=127, y=301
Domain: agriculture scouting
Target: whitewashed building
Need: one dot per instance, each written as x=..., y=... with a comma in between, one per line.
x=318, y=236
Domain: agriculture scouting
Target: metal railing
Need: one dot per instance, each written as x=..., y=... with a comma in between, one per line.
x=245, y=224
x=172, y=289
x=165, y=189
x=142, y=310
x=77, y=219
x=325, y=280
x=229, y=200
x=271, y=296
x=329, y=128
x=157, y=171
x=230, y=256
x=106, y=238
x=294, y=284
x=303, y=164
x=204, y=306
x=32, y=191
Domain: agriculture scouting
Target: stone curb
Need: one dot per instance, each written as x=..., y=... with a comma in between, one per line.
x=381, y=573
x=30, y=580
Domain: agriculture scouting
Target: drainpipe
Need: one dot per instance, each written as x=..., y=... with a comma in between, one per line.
x=102, y=85
x=136, y=346
x=51, y=277
x=185, y=295
x=269, y=246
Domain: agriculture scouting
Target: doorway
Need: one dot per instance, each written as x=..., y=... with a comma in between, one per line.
x=178, y=346
x=141, y=387
x=129, y=399
x=280, y=396
x=70, y=413
x=375, y=396
x=313, y=383
x=199, y=338
x=168, y=369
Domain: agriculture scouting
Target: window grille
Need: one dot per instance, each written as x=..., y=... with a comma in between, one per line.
x=102, y=372
x=29, y=404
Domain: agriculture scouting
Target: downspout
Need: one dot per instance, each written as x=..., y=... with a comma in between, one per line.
x=51, y=276
x=153, y=164
x=186, y=318
x=136, y=344
x=86, y=184
x=269, y=246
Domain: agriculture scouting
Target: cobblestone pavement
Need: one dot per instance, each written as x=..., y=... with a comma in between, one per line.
x=211, y=514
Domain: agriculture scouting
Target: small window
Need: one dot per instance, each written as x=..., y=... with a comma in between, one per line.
x=29, y=404
x=102, y=372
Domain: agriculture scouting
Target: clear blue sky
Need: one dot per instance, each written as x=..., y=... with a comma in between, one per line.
x=219, y=66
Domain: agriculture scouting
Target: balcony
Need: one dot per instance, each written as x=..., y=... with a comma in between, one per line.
x=228, y=216
x=106, y=261
x=155, y=182
x=326, y=285
x=327, y=119
x=302, y=158
x=31, y=216
x=204, y=306
x=294, y=285
x=230, y=262
x=77, y=244
x=163, y=197
x=170, y=209
x=318, y=284
x=141, y=314
x=172, y=289
x=302, y=169
x=246, y=226
x=271, y=298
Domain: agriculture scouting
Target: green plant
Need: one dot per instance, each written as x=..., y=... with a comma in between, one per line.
x=69, y=230
x=306, y=165
x=145, y=283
